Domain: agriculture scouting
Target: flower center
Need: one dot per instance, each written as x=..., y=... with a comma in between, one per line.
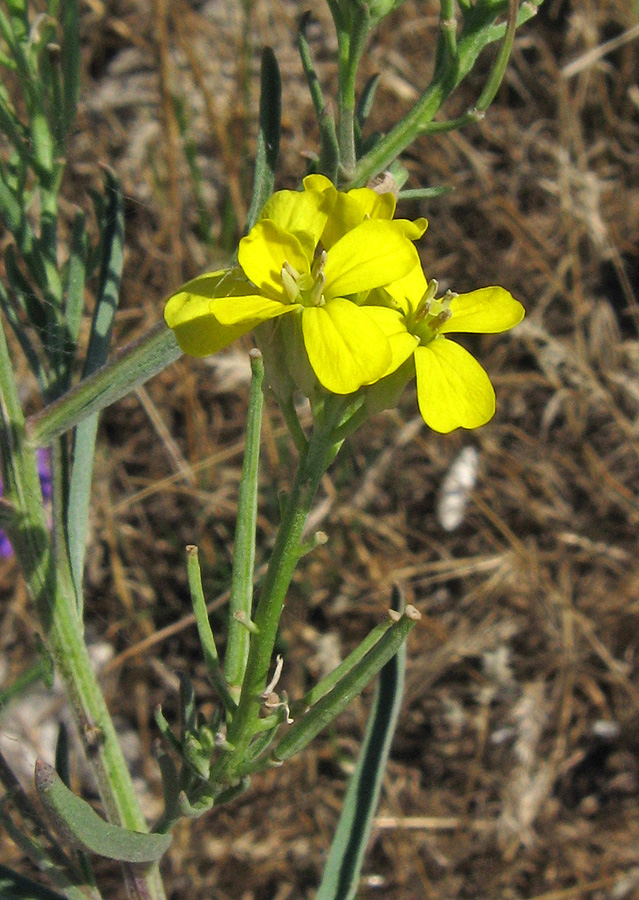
x=306, y=289
x=430, y=314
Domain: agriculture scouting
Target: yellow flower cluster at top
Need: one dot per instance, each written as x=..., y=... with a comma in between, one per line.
x=340, y=282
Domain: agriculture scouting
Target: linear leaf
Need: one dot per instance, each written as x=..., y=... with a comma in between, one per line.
x=343, y=865
x=332, y=704
x=132, y=366
x=268, y=138
x=97, y=352
x=70, y=61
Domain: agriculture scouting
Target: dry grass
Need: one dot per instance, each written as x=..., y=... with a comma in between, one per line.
x=515, y=770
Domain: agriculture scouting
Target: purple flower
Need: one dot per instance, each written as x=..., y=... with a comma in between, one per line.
x=44, y=471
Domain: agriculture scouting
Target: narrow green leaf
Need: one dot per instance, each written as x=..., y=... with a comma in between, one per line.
x=70, y=61
x=24, y=293
x=205, y=632
x=327, y=684
x=43, y=144
x=241, y=599
x=62, y=754
x=258, y=746
x=332, y=704
x=77, y=821
x=166, y=732
x=75, y=279
x=329, y=154
x=97, y=352
x=132, y=366
x=112, y=237
x=170, y=790
x=268, y=137
x=365, y=102
x=425, y=193
x=17, y=887
x=340, y=879
x=188, y=711
x=197, y=809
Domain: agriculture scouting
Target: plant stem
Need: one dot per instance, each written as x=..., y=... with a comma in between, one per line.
x=54, y=597
x=403, y=134
x=284, y=558
x=351, y=45
x=455, y=60
x=241, y=599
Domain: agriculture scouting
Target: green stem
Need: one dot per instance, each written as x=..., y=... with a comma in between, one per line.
x=284, y=558
x=404, y=133
x=499, y=67
x=455, y=59
x=54, y=597
x=207, y=640
x=241, y=599
x=350, y=48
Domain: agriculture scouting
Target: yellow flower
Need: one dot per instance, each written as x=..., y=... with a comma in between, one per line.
x=453, y=390
x=349, y=209
x=285, y=269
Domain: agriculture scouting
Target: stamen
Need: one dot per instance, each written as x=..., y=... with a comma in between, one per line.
x=431, y=291
x=289, y=280
x=440, y=318
x=318, y=264
x=425, y=304
x=317, y=291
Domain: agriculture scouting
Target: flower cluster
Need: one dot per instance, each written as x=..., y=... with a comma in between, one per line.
x=333, y=285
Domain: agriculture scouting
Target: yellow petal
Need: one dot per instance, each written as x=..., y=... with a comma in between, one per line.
x=204, y=336
x=351, y=209
x=319, y=183
x=413, y=230
x=346, y=214
x=402, y=342
x=302, y=213
x=192, y=300
x=197, y=332
x=345, y=347
x=254, y=308
x=374, y=205
x=372, y=255
x=204, y=322
x=488, y=310
x=453, y=391
x=409, y=290
x=262, y=254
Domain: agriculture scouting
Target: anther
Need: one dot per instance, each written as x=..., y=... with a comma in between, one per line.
x=318, y=264
x=289, y=280
x=317, y=291
x=440, y=318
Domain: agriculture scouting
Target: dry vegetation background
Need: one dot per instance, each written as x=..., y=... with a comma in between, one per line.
x=515, y=770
